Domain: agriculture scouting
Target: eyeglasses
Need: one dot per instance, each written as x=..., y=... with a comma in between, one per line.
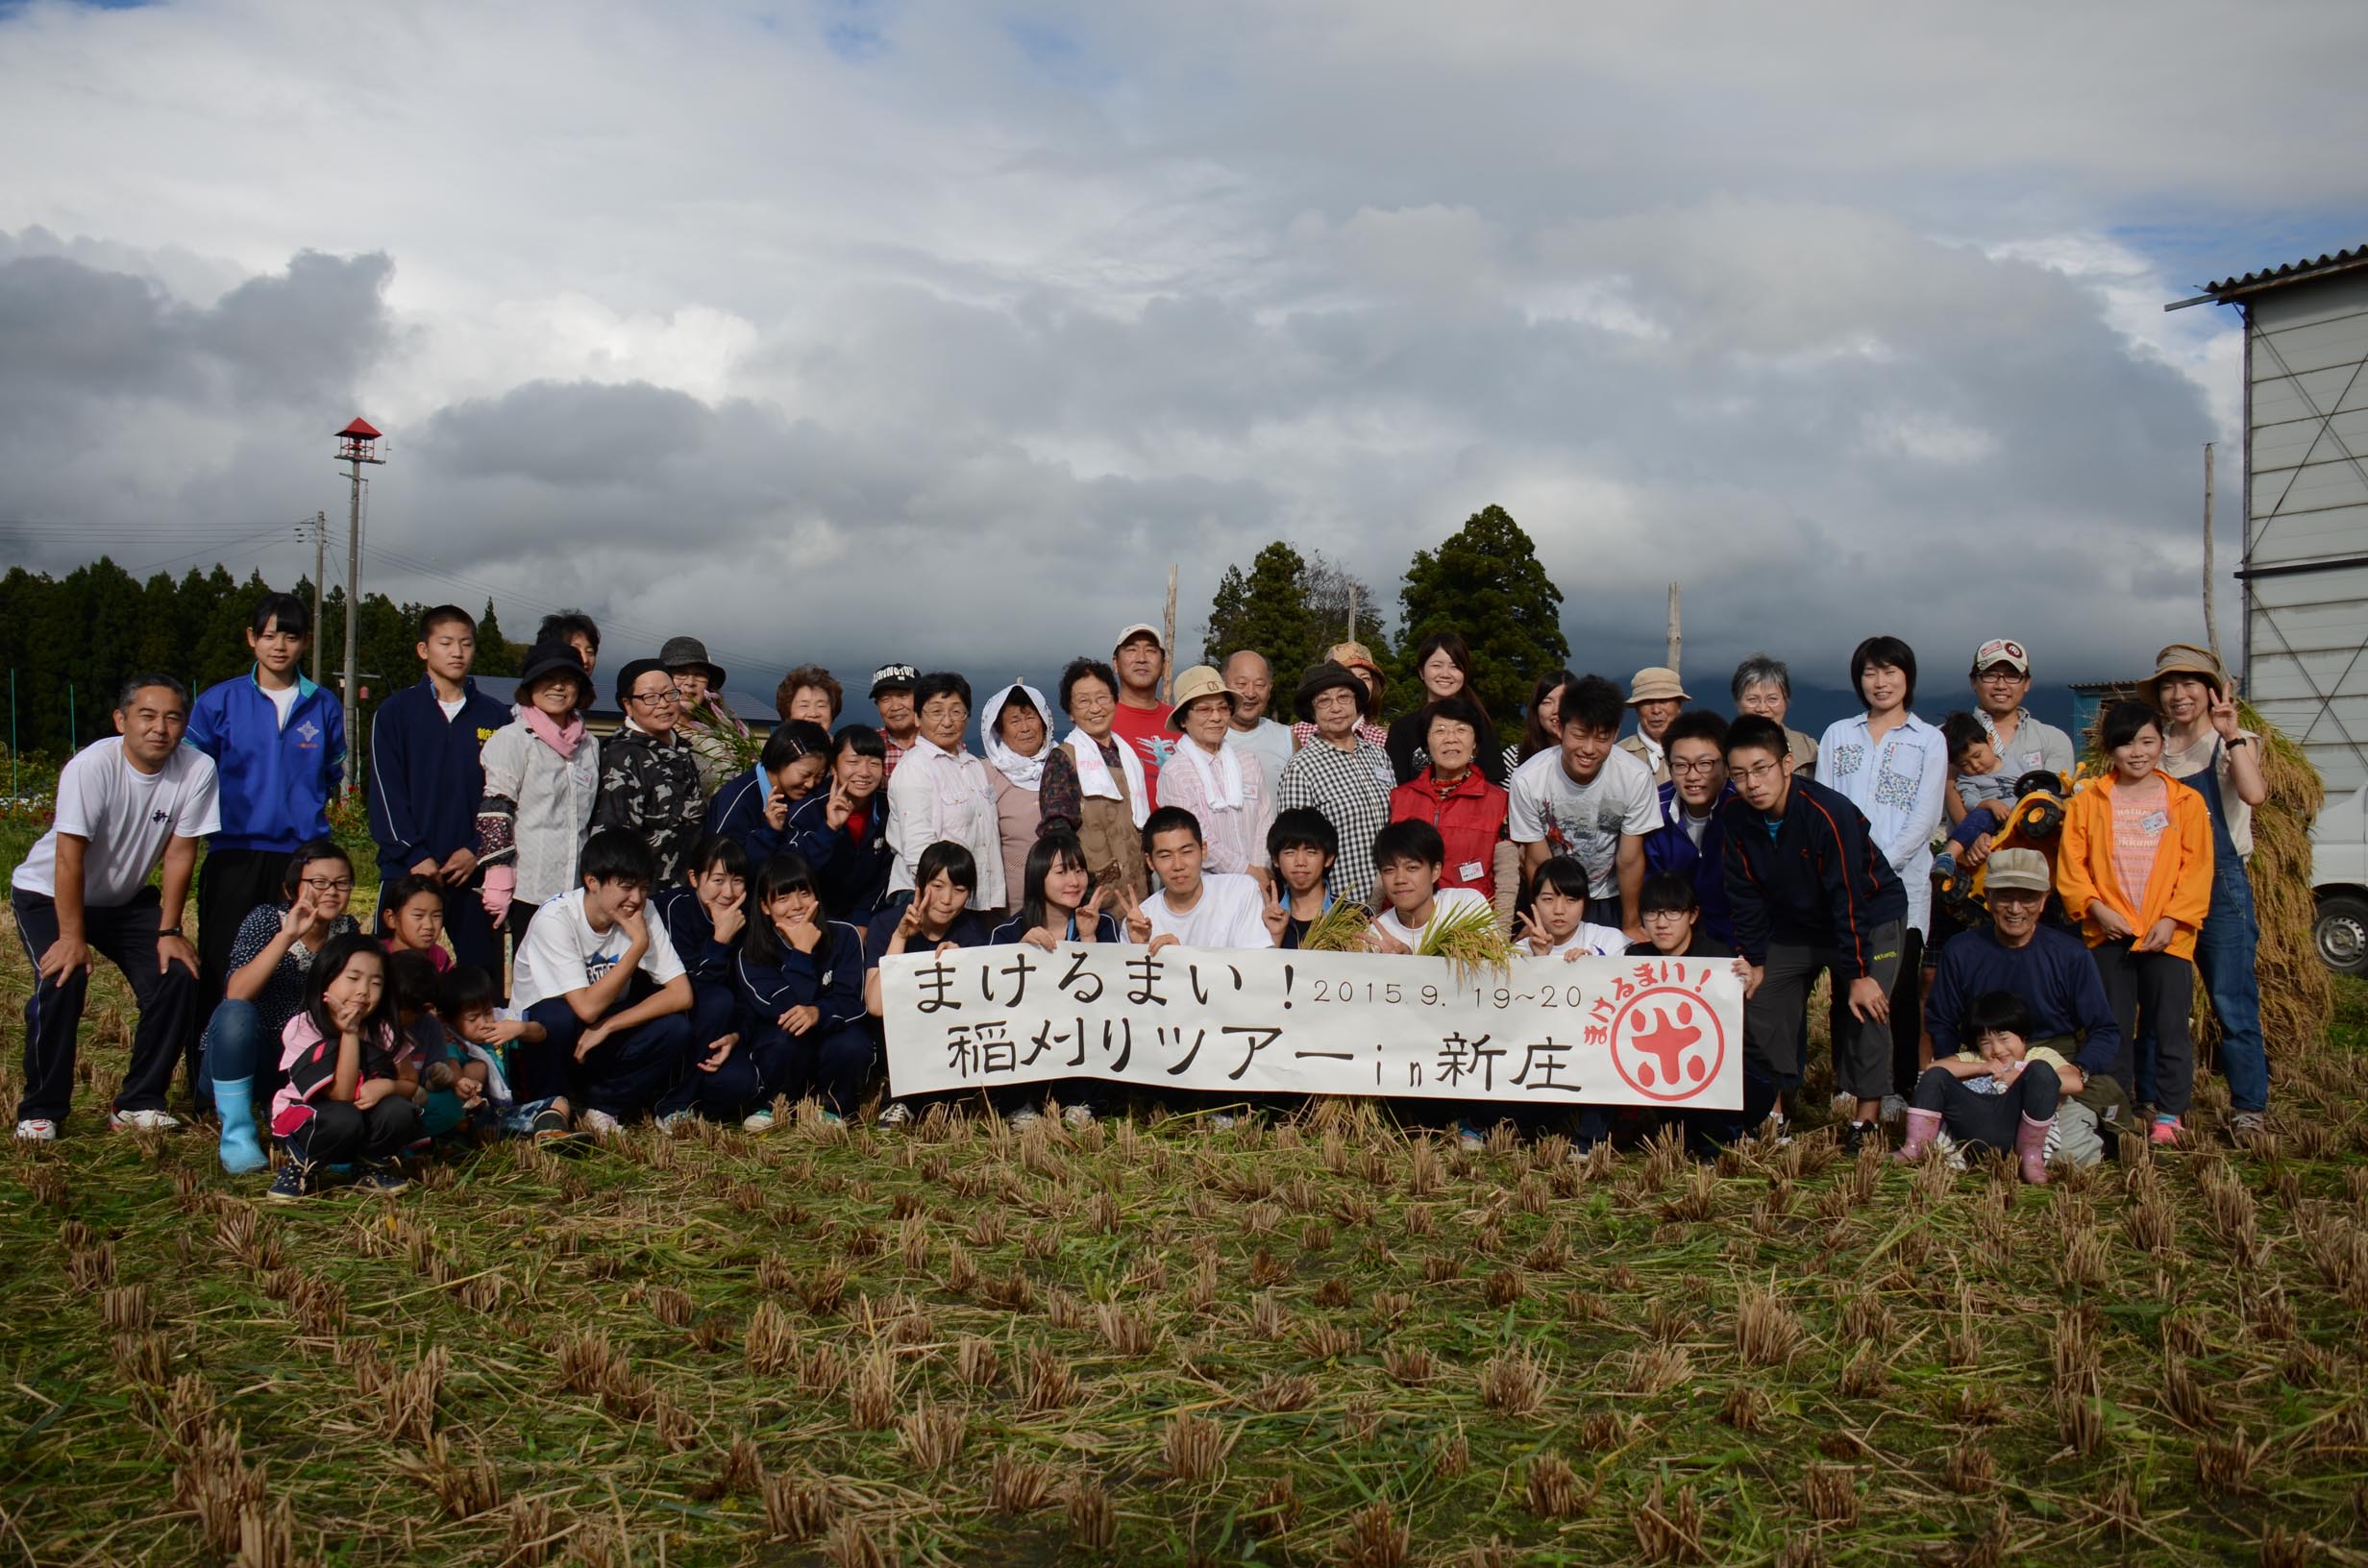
x=330, y=884
x=2006, y=677
x=1656, y=916
x=1692, y=769
x=665, y=698
x=1765, y=769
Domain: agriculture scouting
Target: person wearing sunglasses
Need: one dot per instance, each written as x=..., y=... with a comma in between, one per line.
x=650, y=774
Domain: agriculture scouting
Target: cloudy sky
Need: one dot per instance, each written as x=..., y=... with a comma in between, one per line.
x=851, y=330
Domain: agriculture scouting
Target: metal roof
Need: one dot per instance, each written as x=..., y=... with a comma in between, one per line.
x=2293, y=272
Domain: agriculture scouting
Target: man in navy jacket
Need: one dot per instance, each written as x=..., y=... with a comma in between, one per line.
x=1691, y=837
x=426, y=778
x=1809, y=890
x=277, y=744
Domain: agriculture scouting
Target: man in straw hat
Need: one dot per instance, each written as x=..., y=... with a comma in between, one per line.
x=2051, y=969
x=1224, y=787
x=2205, y=749
x=1657, y=695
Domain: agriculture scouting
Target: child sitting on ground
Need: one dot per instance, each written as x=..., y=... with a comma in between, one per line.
x=424, y=1057
x=1409, y=859
x=705, y=915
x=2000, y=1094
x=411, y=919
x=470, y=1008
x=1556, y=923
x=802, y=999
x=343, y=1101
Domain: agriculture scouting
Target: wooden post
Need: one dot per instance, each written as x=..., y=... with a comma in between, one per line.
x=1352, y=613
x=1167, y=679
x=1677, y=639
x=2211, y=617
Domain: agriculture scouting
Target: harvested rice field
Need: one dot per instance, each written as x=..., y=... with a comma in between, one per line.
x=1311, y=1342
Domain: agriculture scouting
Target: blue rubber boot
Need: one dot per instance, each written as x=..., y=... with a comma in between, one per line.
x=242, y=1150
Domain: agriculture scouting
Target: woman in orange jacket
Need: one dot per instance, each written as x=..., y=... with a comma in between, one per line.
x=2134, y=864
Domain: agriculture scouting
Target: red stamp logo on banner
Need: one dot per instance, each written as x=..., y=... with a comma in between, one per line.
x=1666, y=1044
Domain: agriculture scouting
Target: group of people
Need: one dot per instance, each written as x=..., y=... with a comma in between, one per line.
x=678, y=921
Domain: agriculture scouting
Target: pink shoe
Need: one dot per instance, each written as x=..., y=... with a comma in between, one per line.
x=1923, y=1126
x=2168, y=1130
x=2031, y=1147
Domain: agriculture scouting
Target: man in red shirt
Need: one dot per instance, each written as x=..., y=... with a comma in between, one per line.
x=1142, y=717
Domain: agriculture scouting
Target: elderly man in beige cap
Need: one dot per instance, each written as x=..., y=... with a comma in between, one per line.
x=1658, y=696
x=2206, y=748
x=1224, y=787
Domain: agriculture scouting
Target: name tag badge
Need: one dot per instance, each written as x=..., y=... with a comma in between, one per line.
x=1470, y=872
x=2154, y=822
x=2033, y=759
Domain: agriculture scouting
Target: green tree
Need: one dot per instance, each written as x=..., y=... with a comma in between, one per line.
x=1288, y=607
x=496, y=654
x=1484, y=581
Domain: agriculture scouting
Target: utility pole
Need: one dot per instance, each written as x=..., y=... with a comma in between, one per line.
x=356, y=445
x=320, y=568
x=1352, y=612
x=2212, y=616
x=1167, y=648
x=1677, y=639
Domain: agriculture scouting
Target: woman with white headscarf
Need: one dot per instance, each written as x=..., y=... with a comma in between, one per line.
x=1093, y=784
x=1015, y=730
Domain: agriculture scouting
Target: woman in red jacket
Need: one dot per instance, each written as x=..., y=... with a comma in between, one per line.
x=1453, y=796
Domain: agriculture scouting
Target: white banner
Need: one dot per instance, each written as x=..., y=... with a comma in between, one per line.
x=1599, y=1031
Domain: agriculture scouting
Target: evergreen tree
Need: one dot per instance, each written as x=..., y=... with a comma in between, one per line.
x=1287, y=606
x=1487, y=583
x=496, y=655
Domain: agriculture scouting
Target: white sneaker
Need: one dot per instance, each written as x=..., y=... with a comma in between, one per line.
x=1021, y=1120
x=600, y=1124
x=146, y=1121
x=760, y=1122
x=895, y=1113
x=676, y=1121
x=1078, y=1115
x=37, y=1130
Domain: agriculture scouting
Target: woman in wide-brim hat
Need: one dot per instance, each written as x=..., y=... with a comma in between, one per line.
x=542, y=778
x=1224, y=786
x=1359, y=662
x=2206, y=748
x=718, y=738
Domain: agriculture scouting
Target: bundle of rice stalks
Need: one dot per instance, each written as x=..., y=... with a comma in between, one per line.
x=1339, y=929
x=1471, y=940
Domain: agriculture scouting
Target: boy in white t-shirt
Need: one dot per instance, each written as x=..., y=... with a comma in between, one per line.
x=1589, y=799
x=1193, y=908
x=1556, y=924
x=125, y=805
x=1408, y=858
x=608, y=990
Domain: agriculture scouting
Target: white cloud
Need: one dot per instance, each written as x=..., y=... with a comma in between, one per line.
x=952, y=346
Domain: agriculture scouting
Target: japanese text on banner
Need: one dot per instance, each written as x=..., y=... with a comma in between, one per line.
x=1597, y=1031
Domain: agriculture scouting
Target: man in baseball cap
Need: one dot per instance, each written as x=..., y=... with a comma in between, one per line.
x=2001, y=677
x=892, y=692
x=1139, y=656
x=2052, y=971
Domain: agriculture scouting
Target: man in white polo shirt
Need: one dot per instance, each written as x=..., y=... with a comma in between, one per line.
x=125, y=804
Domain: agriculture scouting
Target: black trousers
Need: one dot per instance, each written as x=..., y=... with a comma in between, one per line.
x=126, y=936
x=1906, y=1013
x=336, y=1134
x=2152, y=993
x=1989, y=1121
x=230, y=884
x=1772, y=1032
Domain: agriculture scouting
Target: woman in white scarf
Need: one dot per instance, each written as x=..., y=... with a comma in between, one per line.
x=1224, y=787
x=1015, y=731
x=1092, y=783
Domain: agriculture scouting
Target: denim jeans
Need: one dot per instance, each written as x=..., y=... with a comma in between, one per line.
x=2225, y=951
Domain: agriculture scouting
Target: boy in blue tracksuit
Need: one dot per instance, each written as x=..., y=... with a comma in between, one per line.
x=703, y=916
x=278, y=744
x=1809, y=890
x=1691, y=841
x=426, y=779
